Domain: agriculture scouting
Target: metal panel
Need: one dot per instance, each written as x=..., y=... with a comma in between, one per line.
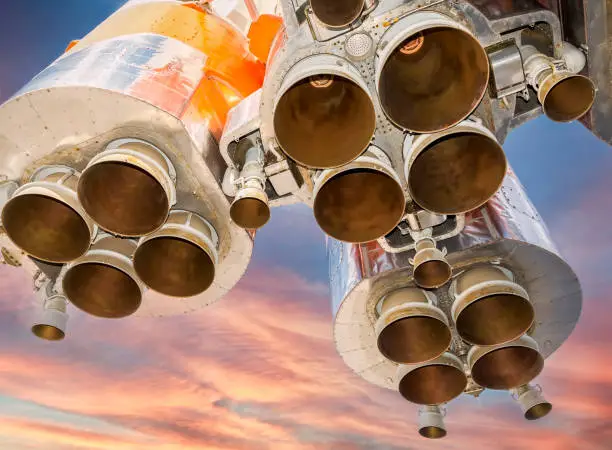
x=507, y=231
x=139, y=86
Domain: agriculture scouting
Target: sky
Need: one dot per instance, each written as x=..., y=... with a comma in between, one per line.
x=258, y=370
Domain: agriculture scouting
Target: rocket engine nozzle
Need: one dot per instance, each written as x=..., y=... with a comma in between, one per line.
x=324, y=115
x=432, y=72
x=128, y=190
x=564, y=94
x=489, y=308
x=431, y=269
x=50, y=325
x=359, y=202
x=45, y=219
x=454, y=171
x=180, y=258
x=506, y=366
x=337, y=13
x=531, y=401
x=431, y=422
x=434, y=382
x=410, y=329
x=250, y=208
x=103, y=282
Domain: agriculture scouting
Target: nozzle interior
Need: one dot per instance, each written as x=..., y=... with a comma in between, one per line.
x=48, y=332
x=337, y=13
x=174, y=266
x=102, y=290
x=569, y=99
x=250, y=213
x=457, y=173
x=434, y=79
x=359, y=205
x=431, y=432
x=324, y=123
x=46, y=228
x=495, y=319
x=432, y=274
x=432, y=384
x=414, y=339
x=507, y=367
x=538, y=411
x=123, y=198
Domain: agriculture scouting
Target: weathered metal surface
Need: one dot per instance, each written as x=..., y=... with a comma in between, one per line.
x=507, y=231
x=142, y=86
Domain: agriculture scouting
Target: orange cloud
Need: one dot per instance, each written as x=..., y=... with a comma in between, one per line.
x=259, y=370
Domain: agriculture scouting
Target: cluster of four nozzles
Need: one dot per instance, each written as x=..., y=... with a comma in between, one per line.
x=128, y=191
x=431, y=73
x=490, y=312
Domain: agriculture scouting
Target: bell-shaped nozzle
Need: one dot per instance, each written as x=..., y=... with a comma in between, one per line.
x=489, y=308
x=434, y=382
x=564, y=94
x=431, y=422
x=103, y=282
x=180, y=258
x=454, y=171
x=45, y=219
x=50, y=325
x=359, y=202
x=431, y=269
x=531, y=401
x=432, y=72
x=250, y=208
x=128, y=189
x=506, y=366
x=410, y=329
x=337, y=13
x=324, y=115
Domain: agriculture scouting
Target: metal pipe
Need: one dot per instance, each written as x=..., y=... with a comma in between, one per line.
x=252, y=9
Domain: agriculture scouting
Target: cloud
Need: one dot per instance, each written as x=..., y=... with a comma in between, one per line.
x=259, y=370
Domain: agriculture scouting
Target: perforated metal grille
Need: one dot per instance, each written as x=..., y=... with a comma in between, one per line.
x=358, y=45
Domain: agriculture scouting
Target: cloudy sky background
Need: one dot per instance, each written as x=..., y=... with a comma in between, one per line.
x=258, y=370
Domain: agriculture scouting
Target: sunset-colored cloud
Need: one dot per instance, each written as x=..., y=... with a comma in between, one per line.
x=259, y=370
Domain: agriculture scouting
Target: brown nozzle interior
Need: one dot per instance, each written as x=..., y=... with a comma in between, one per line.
x=507, y=367
x=102, y=290
x=250, y=213
x=538, y=411
x=492, y=319
x=123, y=198
x=359, y=205
x=433, y=384
x=434, y=85
x=431, y=432
x=414, y=339
x=337, y=13
x=174, y=266
x=457, y=173
x=495, y=319
x=46, y=228
x=569, y=99
x=324, y=123
x=432, y=274
x=48, y=332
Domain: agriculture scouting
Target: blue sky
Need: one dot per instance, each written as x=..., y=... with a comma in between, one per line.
x=259, y=370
